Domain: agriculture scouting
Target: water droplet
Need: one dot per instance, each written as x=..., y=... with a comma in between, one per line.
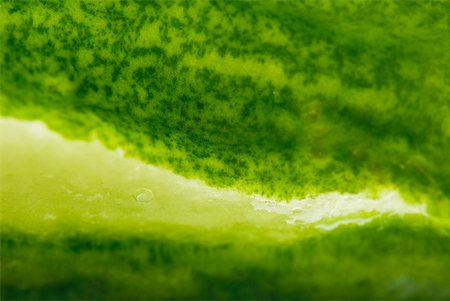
x=144, y=195
x=50, y=216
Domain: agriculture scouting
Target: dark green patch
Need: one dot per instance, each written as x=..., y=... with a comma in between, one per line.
x=385, y=260
x=363, y=98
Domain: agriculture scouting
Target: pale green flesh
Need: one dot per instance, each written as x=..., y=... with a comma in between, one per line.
x=49, y=182
x=79, y=222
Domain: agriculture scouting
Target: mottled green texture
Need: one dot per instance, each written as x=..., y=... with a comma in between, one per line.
x=279, y=98
x=399, y=259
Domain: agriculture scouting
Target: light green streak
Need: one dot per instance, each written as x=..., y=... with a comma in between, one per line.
x=49, y=184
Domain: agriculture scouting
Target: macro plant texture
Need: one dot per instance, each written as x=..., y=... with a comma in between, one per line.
x=225, y=149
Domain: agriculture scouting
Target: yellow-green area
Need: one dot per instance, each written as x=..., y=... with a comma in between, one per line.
x=50, y=184
x=80, y=221
x=393, y=259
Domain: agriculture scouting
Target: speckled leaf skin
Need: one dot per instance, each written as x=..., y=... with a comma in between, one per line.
x=279, y=98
